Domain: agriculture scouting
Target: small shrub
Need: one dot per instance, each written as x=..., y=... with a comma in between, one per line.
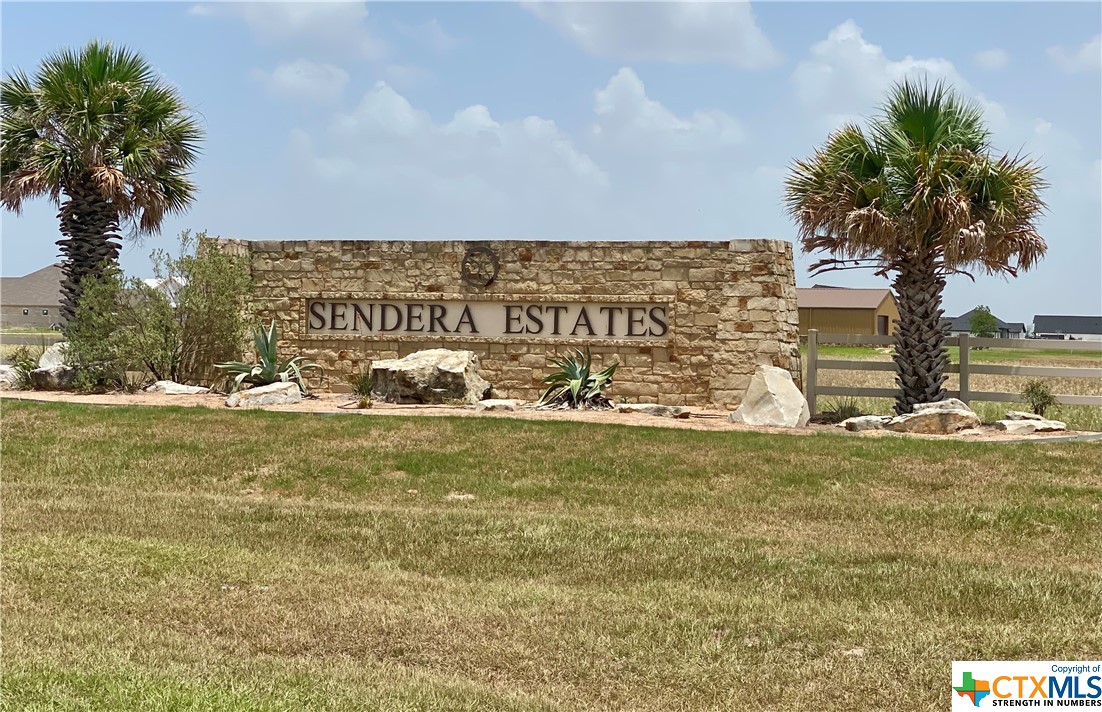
x=269, y=369
x=840, y=410
x=1038, y=396
x=575, y=385
x=362, y=382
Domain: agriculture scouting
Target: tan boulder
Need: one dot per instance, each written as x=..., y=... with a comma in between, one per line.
x=430, y=376
x=942, y=418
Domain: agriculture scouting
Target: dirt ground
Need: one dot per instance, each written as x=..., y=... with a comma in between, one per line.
x=343, y=404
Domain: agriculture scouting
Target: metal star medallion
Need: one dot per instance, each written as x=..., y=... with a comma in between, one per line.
x=479, y=267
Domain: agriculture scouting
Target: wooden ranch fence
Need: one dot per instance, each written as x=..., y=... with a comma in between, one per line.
x=965, y=368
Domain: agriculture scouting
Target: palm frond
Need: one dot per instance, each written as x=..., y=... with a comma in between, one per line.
x=920, y=180
x=102, y=114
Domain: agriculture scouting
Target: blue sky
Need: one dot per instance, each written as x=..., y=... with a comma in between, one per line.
x=582, y=120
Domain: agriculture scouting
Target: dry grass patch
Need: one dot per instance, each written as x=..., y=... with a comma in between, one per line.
x=284, y=564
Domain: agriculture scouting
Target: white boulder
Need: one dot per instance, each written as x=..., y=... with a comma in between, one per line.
x=947, y=404
x=772, y=400
x=1028, y=426
x=272, y=394
x=54, y=356
x=172, y=388
x=9, y=376
x=1022, y=415
x=430, y=376
x=865, y=422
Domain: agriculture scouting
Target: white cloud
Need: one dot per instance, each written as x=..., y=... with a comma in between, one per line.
x=338, y=26
x=303, y=79
x=627, y=115
x=683, y=33
x=640, y=171
x=464, y=175
x=993, y=59
x=1088, y=58
x=847, y=76
x=431, y=35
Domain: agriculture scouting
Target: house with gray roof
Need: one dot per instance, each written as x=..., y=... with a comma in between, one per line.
x=1067, y=328
x=33, y=300
x=1003, y=330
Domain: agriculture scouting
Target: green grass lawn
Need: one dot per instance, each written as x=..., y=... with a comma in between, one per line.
x=171, y=559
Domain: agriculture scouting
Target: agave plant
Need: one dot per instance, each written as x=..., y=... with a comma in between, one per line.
x=270, y=369
x=575, y=385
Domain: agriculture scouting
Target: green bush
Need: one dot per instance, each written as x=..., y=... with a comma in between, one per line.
x=100, y=333
x=212, y=291
x=1038, y=396
x=269, y=369
x=575, y=385
x=126, y=331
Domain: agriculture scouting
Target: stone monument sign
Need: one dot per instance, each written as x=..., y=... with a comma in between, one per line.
x=689, y=322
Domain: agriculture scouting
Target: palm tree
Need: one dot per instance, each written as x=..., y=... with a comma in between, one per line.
x=107, y=140
x=919, y=196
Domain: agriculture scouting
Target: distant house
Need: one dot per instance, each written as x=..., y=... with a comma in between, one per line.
x=32, y=300
x=841, y=310
x=1004, y=329
x=1085, y=328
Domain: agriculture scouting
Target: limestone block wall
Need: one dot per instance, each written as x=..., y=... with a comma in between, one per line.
x=729, y=305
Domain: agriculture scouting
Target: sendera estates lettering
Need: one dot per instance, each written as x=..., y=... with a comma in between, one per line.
x=489, y=319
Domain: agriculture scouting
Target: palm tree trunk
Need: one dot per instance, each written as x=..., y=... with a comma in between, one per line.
x=921, y=358
x=88, y=222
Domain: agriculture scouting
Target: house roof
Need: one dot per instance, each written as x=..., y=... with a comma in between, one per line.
x=964, y=323
x=39, y=288
x=822, y=297
x=1051, y=324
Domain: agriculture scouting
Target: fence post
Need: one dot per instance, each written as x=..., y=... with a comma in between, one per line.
x=964, y=395
x=812, y=367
